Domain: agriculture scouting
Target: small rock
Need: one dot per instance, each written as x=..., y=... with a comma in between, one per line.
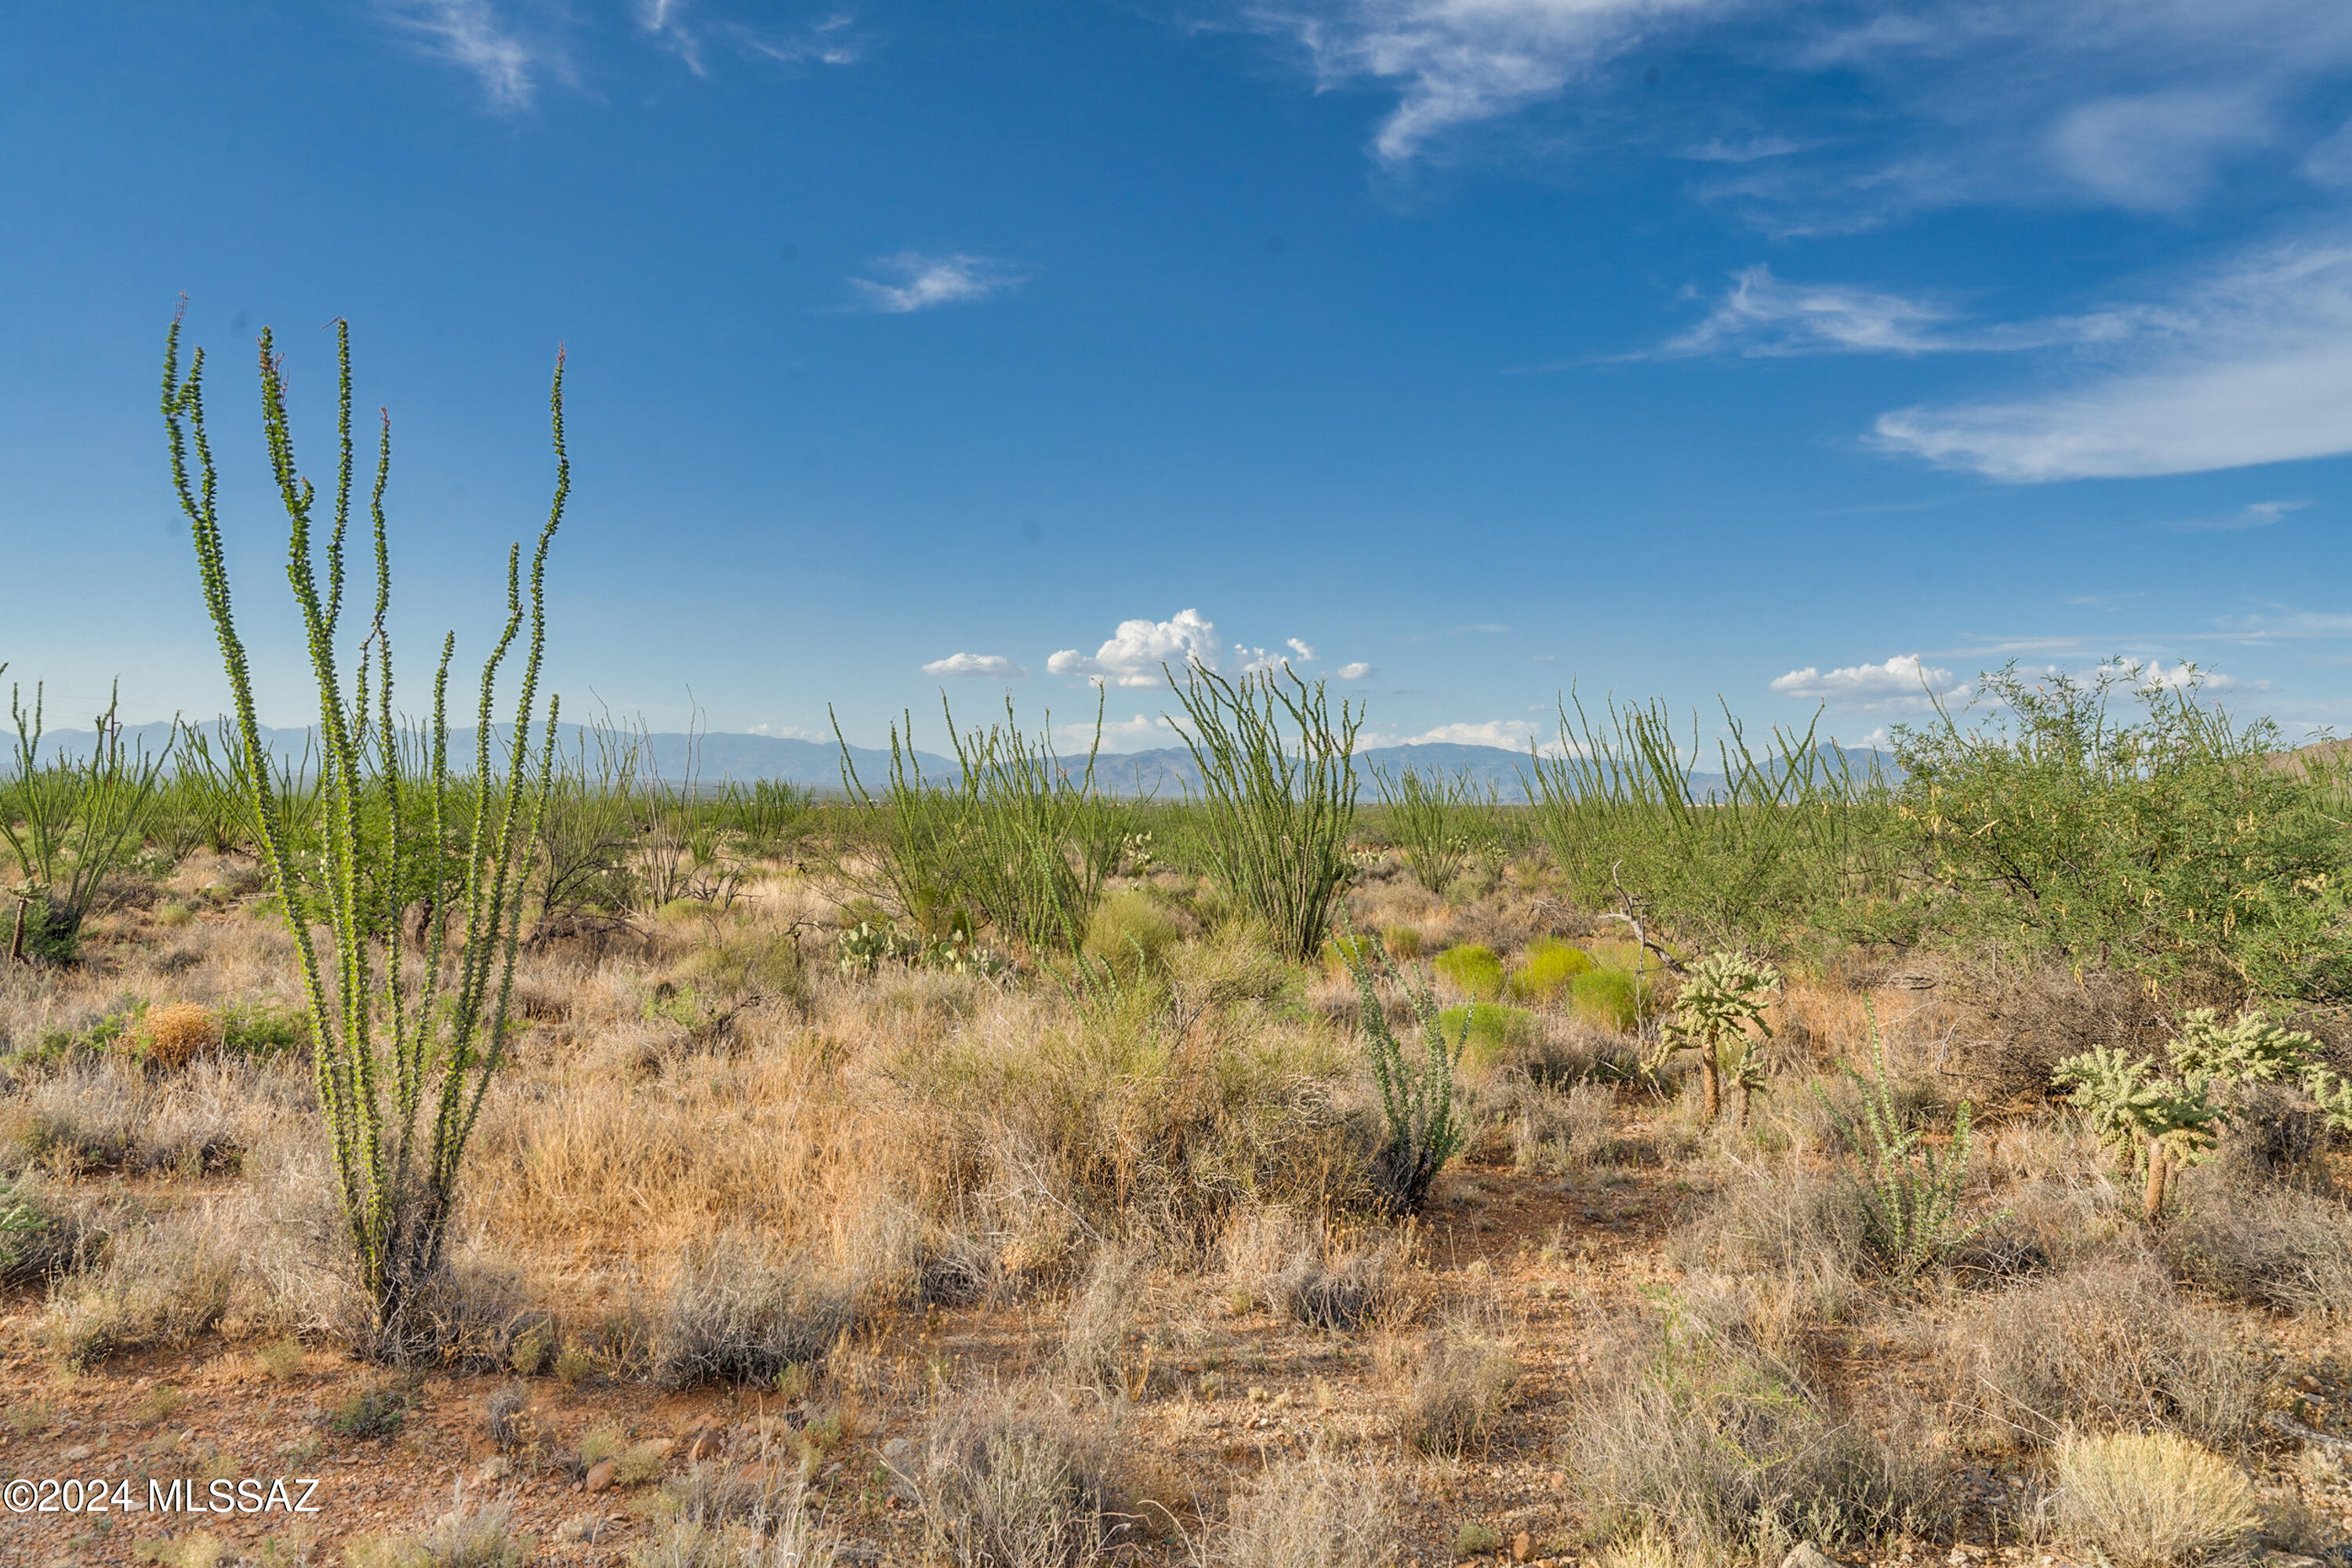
x=1805, y=1554
x=600, y=1476
x=702, y=1443
x=77, y=1454
x=494, y=1468
x=1523, y=1547
x=896, y=1450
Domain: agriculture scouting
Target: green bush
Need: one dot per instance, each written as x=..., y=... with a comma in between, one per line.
x=1473, y=970
x=1606, y=998
x=1403, y=940
x=1549, y=964
x=262, y=1030
x=1490, y=1031
x=1132, y=932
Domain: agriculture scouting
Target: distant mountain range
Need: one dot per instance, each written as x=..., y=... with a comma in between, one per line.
x=720, y=757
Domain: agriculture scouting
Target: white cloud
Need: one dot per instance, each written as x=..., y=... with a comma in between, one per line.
x=1511, y=734
x=1133, y=655
x=1762, y=317
x=469, y=34
x=2252, y=366
x=1140, y=733
x=985, y=666
x=1357, y=670
x=924, y=281
x=1457, y=62
x=1902, y=681
x=787, y=732
x=1299, y=648
x=2157, y=150
x=2254, y=514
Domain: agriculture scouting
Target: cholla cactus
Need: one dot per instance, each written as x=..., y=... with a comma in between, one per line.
x=1723, y=994
x=2334, y=1094
x=2251, y=1050
x=2162, y=1122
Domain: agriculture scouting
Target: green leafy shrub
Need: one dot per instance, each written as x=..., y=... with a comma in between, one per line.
x=1546, y=968
x=1489, y=1031
x=1473, y=970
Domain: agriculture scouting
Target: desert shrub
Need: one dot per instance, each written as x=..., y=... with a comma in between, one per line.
x=1607, y=998
x=1274, y=813
x=507, y=1417
x=1131, y=932
x=1012, y=1479
x=1459, y=1393
x=459, y=1539
x=1691, y=1435
x=765, y=965
x=2277, y=1248
x=1403, y=940
x=1554, y=1129
x=1344, y=1293
x=71, y=825
x=1785, y=1218
x=2110, y=1345
x=1490, y=1031
x=1308, y=1513
x=1100, y=1316
x=2165, y=846
x=2154, y=1500
x=734, y=1315
x=263, y=1031
x=716, y=1516
x=175, y=1034
x=162, y=1287
x=1545, y=968
x=1471, y=969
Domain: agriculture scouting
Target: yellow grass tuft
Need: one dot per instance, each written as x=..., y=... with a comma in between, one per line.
x=179, y=1032
x=2154, y=1500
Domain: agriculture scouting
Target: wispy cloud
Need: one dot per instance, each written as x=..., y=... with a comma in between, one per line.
x=925, y=281
x=1458, y=62
x=1754, y=150
x=470, y=33
x=1132, y=655
x=1902, y=681
x=2254, y=364
x=977, y=665
x=2254, y=514
x=1761, y=316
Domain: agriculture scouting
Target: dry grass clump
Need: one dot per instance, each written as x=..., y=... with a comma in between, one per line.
x=1552, y=1129
x=178, y=1032
x=1785, y=1224
x=109, y=1115
x=1308, y=1513
x=1352, y=1290
x=718, y=1516
x=160, y=1287
x=1009, y=1479
x=1690, y=1437
x=2154, y=1500
x=1459, y=1393
x=459, y=1539
x=2108, y=1344
x=2275, y=1247
x=1101, y=1315
x=737, y=1315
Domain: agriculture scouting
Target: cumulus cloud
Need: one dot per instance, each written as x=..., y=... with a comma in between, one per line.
x=1355, y=670
x=2252, y=364
x=1902, y=681
x=1761, y=316
x=1135, y=652
x=981, y=666
x=923, y=281
x=470, y=35
x=1511, y=734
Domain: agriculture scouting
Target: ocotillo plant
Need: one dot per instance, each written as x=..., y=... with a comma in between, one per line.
x=69, y=822
x=447, y=1019
x=1275, y=820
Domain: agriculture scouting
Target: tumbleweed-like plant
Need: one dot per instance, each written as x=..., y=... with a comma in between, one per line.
x=388, y=820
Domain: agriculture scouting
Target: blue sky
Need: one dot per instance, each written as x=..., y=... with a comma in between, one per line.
x=1453, y=349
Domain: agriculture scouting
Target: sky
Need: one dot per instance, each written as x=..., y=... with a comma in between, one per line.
x=1460, y=354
